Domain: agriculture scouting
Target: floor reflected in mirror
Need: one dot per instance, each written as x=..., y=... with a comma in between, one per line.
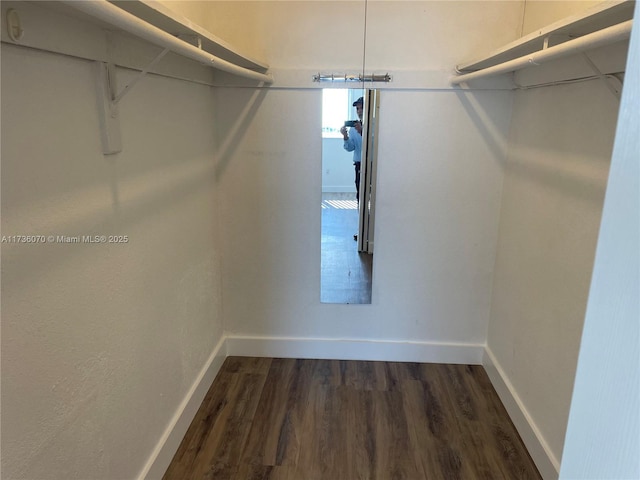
x=346, y=274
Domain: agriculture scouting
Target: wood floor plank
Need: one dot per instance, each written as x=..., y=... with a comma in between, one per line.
x=425, y=443
x=270, y=441
x=230, y=433
x=361, y=435
x=218, y=432
x=288, y=419
x=247, y=472
x=465, y=422
x=514, y=458
x=394, y=457
x=292, y=433
x=262, y=472
x=197, y=436
x=427, y=434
x=475, y=420
x=318, y=454
x=361, y=375
x=259, y=365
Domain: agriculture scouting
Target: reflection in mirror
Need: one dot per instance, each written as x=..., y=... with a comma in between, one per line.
x=349, y=128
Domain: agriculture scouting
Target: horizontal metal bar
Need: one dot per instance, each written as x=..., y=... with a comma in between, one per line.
x=600, y=38
x=332, y=77
x=109, y=13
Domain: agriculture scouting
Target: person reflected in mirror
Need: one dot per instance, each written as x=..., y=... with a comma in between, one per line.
x=353, y=142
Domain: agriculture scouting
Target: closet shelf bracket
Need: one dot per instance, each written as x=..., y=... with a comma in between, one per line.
x=140, y=76
x=606, y=36
x=111, y=14
x=195, y=40
x=109, y=98
x=554, y=39
x=108, y=108
x=616, y=90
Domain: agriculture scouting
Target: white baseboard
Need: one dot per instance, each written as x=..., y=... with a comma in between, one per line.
x=547, y=463
x=347, y=349
x=171, y=438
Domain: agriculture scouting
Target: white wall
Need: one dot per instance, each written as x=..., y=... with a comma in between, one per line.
x=560, y=147
x=418, y=42
x=606, y=445
x=102, y=342
x=337, y=167
x=295, y=34
x=439, y=185
x=552, y=201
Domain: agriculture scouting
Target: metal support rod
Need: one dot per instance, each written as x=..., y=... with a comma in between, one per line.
x=602, y=37
x=109, y=13
x=332, y=77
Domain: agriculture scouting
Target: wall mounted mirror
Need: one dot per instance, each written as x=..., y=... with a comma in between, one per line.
x=349, y=166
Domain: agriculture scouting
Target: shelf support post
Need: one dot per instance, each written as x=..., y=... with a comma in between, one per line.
x=107, y=109
x=108, y=99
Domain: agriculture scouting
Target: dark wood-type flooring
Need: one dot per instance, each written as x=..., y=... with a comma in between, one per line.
x=287, y=419
x=345, y=273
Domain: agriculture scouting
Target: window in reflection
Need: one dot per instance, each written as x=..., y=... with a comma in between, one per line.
x=340, y=204
x=335, y=109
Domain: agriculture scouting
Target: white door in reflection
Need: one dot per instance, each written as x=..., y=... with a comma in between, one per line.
x=348, y=224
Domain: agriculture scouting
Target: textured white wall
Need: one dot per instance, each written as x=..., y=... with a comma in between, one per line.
x=439, y=185
x=605, y=446
x=559, y=151
x=100, y=343
x=438, y=200
x=432, y=146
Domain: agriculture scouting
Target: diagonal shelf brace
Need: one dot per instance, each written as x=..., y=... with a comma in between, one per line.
x=108, y=101
x=605, y=78
x=140, y=76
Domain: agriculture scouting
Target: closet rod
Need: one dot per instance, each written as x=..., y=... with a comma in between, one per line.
x=602, y=37
x=109, y=13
